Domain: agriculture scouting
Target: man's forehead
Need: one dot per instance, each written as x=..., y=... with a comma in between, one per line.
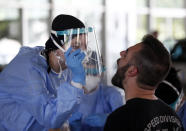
x=135, y=48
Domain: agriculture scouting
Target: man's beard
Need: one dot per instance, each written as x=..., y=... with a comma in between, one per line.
x=119, y=76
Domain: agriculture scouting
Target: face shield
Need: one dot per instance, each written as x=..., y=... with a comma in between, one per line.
x=84, y=39
x=75, y=38
x=93, y=68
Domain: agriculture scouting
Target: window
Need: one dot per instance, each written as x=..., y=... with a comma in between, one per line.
x=141, y=27
x=37, y=27
x=178, y=28
x=10, y=35
x=169, y=3
x=141, y=3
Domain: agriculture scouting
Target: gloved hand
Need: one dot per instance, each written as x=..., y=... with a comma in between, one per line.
x=75, y=121
x=96, y=120
x=74, y=62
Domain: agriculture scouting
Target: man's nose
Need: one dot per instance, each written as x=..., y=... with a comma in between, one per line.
x=122, y=53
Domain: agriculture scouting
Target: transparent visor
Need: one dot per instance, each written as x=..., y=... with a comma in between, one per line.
x=84, y=39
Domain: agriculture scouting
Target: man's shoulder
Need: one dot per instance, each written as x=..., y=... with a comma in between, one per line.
x=141, y=113
x=117, y=118
x=121, y=111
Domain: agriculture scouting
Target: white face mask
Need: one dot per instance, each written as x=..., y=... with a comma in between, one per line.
x=91, y=83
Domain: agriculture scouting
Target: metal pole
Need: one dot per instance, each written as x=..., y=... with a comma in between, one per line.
x=149, y=16
x=50, y=16
x=21, y=26
x=185, y=17
x=103, y=38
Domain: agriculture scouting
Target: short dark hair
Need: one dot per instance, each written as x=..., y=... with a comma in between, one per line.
x=153, y=62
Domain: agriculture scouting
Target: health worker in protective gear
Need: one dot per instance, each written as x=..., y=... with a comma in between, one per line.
x=41, y=87
x=98, y=101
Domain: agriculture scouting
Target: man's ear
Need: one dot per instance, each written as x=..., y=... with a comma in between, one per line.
x=132, y=71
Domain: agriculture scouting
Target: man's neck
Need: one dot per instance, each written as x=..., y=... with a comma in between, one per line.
x=134, y=91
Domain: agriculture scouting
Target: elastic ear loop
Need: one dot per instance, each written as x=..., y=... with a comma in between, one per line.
x=60, y=72
x=56, y=44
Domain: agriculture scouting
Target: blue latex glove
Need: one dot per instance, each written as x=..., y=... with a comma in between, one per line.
x=75, y=121
x=76, y=116
x=74, y=62
x=96, y=120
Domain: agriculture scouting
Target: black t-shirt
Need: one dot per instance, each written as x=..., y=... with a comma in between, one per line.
x=143, y=115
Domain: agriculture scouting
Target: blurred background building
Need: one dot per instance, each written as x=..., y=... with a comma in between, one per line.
x=119, y=24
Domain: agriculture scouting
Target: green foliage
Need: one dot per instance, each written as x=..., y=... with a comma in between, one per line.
x=3, y=28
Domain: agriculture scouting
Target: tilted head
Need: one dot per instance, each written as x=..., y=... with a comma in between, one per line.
x=153, y=62
x=148, y=61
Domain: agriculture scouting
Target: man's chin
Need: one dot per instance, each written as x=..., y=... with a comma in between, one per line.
x=117, y=81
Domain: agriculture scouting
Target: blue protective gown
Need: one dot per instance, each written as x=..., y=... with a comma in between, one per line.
x=30, y=98
x=182, y=114
x=102, y=101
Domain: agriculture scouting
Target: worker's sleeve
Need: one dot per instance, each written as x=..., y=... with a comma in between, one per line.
x=49, y=110
x=115, y=98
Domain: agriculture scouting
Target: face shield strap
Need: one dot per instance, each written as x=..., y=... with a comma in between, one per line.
x=55, y=33
x=56, y=44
